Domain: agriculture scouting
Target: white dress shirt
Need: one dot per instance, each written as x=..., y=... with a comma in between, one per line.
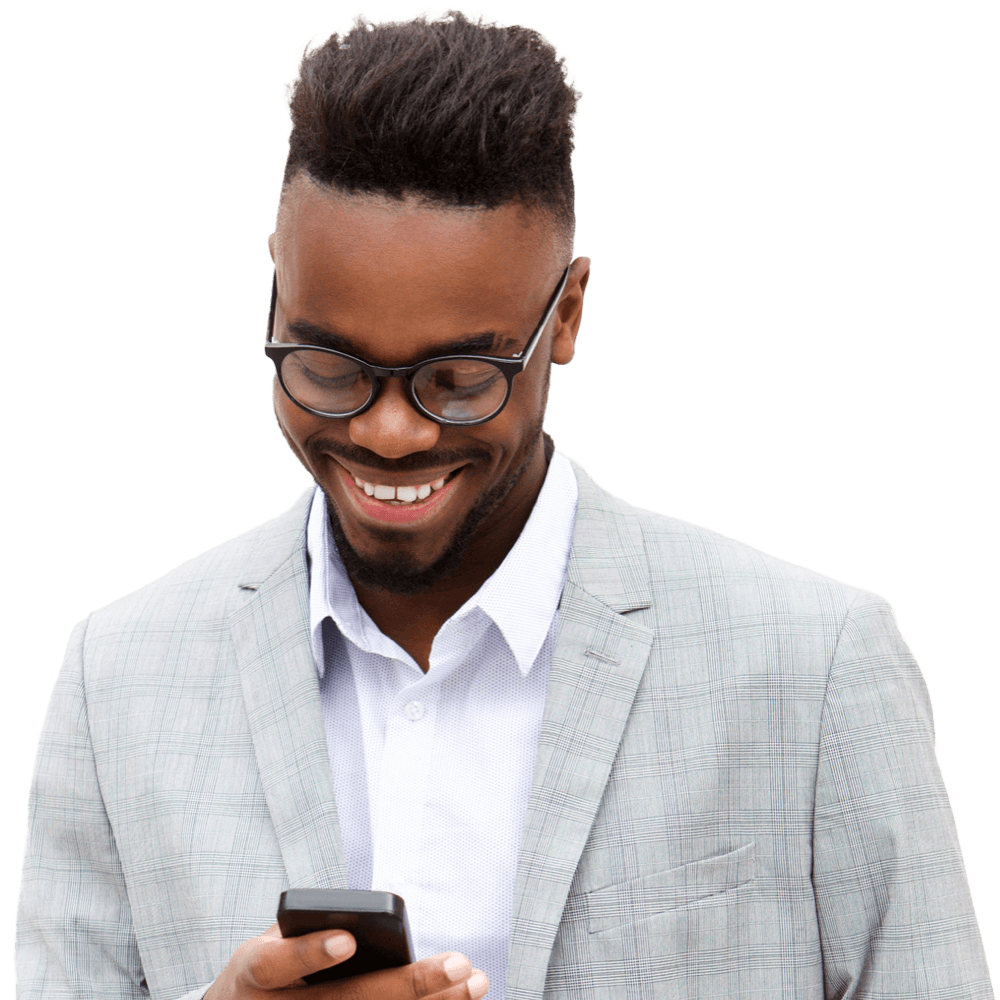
x=432, y=772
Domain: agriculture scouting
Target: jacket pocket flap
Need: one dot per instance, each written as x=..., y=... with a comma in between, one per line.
x=639, y=898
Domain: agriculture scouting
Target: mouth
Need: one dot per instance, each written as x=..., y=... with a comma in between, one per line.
x=402, y=494
x=400, y=503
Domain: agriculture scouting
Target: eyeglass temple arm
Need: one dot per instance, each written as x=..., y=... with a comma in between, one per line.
x=529, y=348
x=274, y=300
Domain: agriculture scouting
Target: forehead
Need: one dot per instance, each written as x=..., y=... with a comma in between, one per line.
x=359, y=264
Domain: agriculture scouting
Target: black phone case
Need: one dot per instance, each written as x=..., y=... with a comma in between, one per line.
x=376, y=919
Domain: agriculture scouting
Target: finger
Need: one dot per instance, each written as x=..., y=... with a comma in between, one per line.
x=470, y=987
x=274, y=962
x=478, y=984
x=445, y=977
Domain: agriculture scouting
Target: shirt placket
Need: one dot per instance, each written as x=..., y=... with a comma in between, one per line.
x=400, y=804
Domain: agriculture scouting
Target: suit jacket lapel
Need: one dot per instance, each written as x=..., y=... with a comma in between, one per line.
x=599, y=658
x=280, y=688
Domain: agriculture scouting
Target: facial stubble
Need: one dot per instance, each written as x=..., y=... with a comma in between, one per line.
x=400, y=573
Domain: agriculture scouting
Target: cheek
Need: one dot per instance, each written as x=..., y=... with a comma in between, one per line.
x=528, y=396
x=293, y=419
x=296, y=425
x=284, y=410
x=520, y=422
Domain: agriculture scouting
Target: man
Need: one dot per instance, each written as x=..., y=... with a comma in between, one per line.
x=599, y=752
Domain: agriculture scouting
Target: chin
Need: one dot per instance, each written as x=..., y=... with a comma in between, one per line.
x=399, y=573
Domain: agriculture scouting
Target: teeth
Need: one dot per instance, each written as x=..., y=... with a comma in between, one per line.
x=400, y=494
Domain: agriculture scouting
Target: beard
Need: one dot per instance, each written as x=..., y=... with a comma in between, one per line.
x=398, y=572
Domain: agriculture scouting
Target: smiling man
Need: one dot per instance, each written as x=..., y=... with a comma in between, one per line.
x=599, y=752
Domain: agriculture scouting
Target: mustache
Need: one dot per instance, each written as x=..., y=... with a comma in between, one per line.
x=416, y=462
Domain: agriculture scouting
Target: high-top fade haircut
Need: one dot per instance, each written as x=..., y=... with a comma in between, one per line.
x=456, y=113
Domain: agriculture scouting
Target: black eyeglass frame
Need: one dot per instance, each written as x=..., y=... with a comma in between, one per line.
x=509, y=367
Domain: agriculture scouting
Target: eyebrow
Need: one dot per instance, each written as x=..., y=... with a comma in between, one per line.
x=308, y=333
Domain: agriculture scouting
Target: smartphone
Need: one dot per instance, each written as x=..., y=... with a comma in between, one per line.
x=376, y=919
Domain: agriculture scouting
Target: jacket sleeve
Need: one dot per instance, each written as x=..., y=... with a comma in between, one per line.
x=895, y=914
x=75, y=937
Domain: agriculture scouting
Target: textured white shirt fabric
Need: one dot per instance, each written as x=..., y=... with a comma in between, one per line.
x=432, y=772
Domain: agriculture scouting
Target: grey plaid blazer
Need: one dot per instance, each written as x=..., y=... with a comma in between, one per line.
x=735, y=792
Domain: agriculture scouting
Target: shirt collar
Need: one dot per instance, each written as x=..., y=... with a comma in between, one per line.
x=521, y=597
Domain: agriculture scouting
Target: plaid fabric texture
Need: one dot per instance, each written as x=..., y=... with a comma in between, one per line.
x=735, y=792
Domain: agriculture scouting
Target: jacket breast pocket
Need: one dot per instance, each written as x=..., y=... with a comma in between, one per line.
x=639, y=898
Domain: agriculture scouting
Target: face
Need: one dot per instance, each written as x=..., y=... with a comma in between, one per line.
x=394, y=283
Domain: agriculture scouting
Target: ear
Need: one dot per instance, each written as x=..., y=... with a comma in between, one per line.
x=270, y=244
x=569, y=312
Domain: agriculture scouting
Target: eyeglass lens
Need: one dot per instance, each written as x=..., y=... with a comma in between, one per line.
x=460, y=390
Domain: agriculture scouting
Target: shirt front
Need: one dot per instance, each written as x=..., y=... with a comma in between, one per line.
x=432, y=772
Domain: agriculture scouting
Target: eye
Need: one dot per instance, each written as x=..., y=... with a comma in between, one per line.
x=326, y=369
x=460, y=379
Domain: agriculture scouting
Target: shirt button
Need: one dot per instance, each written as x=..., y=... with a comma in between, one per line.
x=414, y=710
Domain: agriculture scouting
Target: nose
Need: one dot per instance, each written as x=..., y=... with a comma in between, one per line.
x=391, y=426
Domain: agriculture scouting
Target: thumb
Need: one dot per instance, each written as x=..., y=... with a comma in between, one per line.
x=273, y=962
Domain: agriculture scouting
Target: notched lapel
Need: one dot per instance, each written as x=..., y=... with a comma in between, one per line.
x=599, y=658
x=280, y=687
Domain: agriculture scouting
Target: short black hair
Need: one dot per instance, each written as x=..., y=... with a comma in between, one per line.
x=459, y=113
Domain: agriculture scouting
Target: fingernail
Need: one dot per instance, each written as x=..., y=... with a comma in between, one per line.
x=456, y=967
x=337, y=945
x=478, y=985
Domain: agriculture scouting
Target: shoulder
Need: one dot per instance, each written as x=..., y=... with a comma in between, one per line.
x=721, y=614
x=213, y=585
x=718, y=577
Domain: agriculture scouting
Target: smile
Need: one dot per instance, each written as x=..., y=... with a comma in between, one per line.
x=399, y=494
x=401, y=504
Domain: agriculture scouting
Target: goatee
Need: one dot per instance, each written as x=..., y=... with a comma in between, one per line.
x=400, y=573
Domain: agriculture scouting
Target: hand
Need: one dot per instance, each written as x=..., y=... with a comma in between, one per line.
x=270, y=963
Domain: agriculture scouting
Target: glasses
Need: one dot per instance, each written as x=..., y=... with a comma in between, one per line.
x=463, y=389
